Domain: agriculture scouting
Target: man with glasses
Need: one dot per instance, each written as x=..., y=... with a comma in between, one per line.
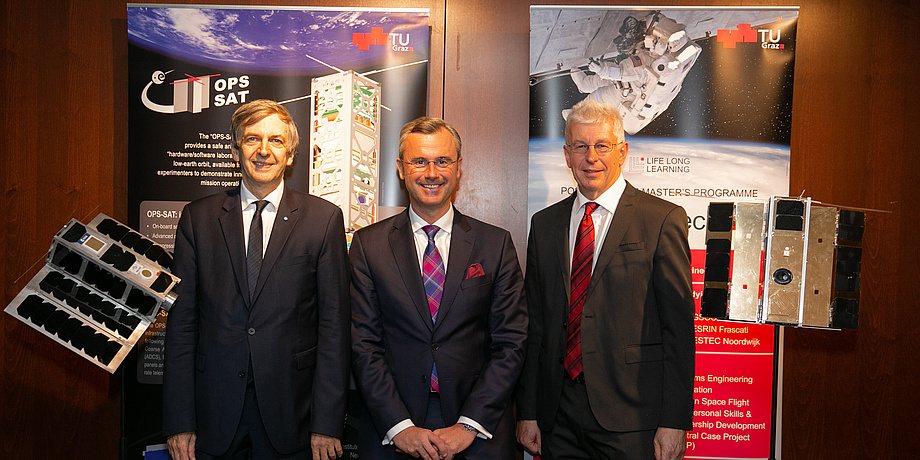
x=610, y=353
x=438, y=317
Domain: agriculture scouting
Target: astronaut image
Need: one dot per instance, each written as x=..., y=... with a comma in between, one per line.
x=655, y=57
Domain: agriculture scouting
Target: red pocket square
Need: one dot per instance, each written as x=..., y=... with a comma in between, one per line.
x=474, y=271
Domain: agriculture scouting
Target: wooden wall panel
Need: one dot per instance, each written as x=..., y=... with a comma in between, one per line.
x=846, y=394
x=486, y=98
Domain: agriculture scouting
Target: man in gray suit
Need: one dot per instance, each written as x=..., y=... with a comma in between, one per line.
x=610, y=348
x=257, y=343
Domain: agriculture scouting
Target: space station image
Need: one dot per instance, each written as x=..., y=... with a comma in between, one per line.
x=634, y=60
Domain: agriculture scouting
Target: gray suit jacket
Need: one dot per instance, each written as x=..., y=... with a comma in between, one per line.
x=637, y=320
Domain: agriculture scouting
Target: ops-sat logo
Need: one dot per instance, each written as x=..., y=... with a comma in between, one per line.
x=769, y=38
x=395, y=40
x=193, y=94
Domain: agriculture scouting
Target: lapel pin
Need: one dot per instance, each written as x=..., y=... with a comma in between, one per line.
x=285, y=218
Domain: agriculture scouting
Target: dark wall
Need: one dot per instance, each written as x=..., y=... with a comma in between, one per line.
x=845, y=394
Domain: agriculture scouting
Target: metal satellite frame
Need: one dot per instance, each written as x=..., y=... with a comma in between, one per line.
x=101, y=287
x=791, y=261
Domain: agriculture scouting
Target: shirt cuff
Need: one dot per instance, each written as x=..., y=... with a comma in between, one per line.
x=398, y=428
x=483, y=433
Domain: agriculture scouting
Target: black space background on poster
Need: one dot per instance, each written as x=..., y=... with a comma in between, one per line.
x=152, y=134
x=719, y=99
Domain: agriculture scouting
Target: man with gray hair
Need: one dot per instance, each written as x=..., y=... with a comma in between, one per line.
x=610, y=349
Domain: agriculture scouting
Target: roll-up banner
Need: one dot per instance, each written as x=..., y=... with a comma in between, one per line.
x=191, y=66
x=706, y=99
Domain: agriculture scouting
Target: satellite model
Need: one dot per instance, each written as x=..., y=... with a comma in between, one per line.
x=792, y=262
x=345, y=140
x=102, y=286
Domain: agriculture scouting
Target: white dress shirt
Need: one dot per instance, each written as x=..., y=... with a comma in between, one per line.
x=248, y=201
x=602, y=216
x=441, y=239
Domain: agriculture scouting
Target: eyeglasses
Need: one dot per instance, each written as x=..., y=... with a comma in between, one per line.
x=421, y=163
x=601, y=148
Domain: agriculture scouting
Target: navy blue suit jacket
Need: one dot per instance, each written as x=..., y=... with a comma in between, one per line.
x=477, y=340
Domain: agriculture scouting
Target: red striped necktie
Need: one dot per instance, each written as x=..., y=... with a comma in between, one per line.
x=581, y=278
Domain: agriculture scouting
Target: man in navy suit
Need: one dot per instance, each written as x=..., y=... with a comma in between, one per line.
x=439, y=319
x=257, y=343
x=609, y=372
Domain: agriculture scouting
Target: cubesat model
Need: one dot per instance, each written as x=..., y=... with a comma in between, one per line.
x=101, y=287
x=345, y=140
x=790, y=262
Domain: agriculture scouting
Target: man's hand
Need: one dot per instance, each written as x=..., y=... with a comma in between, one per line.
x=421, y=443
x=457, y=439
x=325, y=447
x=670, y=443
x=182, y=445
x=528, y=434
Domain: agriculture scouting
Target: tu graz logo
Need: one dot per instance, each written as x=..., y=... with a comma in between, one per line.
x=744, y=34
x=396, y=41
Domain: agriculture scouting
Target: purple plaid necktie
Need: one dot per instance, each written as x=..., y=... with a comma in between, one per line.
x=433, y=276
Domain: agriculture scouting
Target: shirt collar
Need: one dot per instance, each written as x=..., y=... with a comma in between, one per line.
x=445, y=223
x=608, y=200
x=248, y=198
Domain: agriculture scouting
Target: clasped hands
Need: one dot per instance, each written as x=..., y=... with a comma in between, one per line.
x=441, y=444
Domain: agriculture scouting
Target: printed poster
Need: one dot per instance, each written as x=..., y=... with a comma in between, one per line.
x=190, y=67
x=706, y=98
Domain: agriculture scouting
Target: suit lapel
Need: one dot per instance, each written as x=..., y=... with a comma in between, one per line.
x=231, y=225
x=624, y=214
x=559, y=231
x=461, y=247
x=285, y=219
x=402, y=243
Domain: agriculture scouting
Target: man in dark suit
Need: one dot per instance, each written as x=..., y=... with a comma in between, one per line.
x=257, y=343
x=439, y=320
x=610, y=352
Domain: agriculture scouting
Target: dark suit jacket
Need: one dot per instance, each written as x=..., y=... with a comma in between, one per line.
x=637, y=320
x=477, y=341
x=296, y=330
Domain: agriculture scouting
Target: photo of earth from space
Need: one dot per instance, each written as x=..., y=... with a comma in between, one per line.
x=691, y=173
